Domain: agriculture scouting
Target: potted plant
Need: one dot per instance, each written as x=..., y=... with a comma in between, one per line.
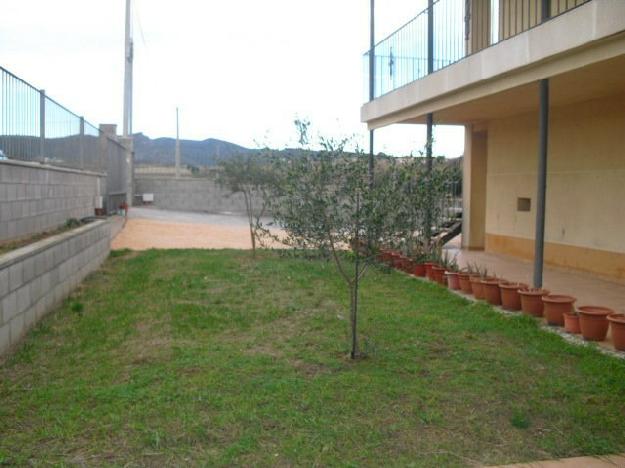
x=555, y=306
x=617, y=324
x=531, y=301
x=593, y=321
x=451, y=271
x=571, y=322
x=510, y=298
x=476, y=281
x=492, y=293
x=464, y=278
x=434, y=255
x=419, y=258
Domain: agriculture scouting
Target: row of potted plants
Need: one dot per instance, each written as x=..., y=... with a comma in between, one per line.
x=592, y=322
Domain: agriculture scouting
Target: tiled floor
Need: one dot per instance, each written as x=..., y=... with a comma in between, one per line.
x=587, y=288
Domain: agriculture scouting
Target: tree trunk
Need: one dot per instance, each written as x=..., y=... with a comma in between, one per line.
x=250, y=220
x=353, y=290
x=253, y=236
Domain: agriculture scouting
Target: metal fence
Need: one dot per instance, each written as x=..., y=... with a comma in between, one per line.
x=36, y=128
x=450, y=30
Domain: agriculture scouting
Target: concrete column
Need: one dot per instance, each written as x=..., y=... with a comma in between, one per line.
x=107, y=131
x=474, y=188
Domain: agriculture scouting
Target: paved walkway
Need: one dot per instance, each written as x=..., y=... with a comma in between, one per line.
x=587, y=288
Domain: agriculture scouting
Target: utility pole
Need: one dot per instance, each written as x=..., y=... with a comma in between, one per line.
x=127, y=125
x=177, y=146
x=128, y=58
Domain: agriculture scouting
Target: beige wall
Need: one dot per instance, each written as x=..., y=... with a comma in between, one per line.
x=585, y=183
x=474, y=187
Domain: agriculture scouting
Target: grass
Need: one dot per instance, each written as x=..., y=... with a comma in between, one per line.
x=210, y=358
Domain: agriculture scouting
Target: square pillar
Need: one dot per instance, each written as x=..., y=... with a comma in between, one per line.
x=474, y=188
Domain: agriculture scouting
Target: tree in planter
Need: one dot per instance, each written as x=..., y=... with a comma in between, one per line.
x=249, y=174
x=324, y=201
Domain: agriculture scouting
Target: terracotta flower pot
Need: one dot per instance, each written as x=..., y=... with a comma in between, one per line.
x=452, y=280
x=531, y=301
x=418, y=269
x=490, y=287
x=465, y=283
x=510, y=298
x=428, y=270
x=476, y=286
x=593, y=321
x=555, y=306
x=617, y=324
x=571, y=323
x=437, y=274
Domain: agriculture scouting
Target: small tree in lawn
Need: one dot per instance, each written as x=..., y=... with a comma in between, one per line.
x=324, y=201
x=249, y=174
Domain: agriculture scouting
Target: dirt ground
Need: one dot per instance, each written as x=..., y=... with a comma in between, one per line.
x=148, y=228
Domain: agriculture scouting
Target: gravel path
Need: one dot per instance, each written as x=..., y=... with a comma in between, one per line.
x=148, y=228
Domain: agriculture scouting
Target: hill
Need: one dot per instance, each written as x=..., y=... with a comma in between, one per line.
x=160, y=151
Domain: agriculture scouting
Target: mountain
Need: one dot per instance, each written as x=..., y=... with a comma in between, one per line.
x=160, y=151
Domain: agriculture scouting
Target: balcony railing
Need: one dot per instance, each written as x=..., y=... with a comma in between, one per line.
x=452, y=30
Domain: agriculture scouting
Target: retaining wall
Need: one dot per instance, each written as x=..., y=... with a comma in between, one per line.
x=35, y=198
x=189, y=194
x=35, y=278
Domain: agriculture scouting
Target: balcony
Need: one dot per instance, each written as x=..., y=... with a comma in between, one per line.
x=459, y=28
x=457, y=53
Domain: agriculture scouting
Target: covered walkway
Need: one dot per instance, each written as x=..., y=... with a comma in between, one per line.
x=589, y=289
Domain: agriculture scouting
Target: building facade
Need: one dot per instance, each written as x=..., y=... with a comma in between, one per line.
x=539, y=86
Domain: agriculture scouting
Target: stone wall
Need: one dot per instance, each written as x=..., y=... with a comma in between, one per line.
x=189, y=194
x=35, y=197
x=35, y=278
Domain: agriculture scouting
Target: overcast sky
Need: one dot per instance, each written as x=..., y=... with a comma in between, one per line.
x=240, y=70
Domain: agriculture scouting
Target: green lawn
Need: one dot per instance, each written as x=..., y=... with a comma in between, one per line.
x=211, y=358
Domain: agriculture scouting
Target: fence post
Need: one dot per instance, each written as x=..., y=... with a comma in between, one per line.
x=82, y=143
x=430, y=36
x=42, y=125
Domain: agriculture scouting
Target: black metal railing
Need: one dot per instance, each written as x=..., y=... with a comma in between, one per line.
x=450, y=30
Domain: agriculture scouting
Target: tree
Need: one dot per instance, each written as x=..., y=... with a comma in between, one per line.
x=323, y=200
x=422, y=198
x=249, y=174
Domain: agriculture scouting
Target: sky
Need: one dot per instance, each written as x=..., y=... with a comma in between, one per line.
x=239, y=70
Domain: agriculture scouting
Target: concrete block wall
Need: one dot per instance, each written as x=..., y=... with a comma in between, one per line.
x=36, y=198
x=35, y=278
x=189, y=194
